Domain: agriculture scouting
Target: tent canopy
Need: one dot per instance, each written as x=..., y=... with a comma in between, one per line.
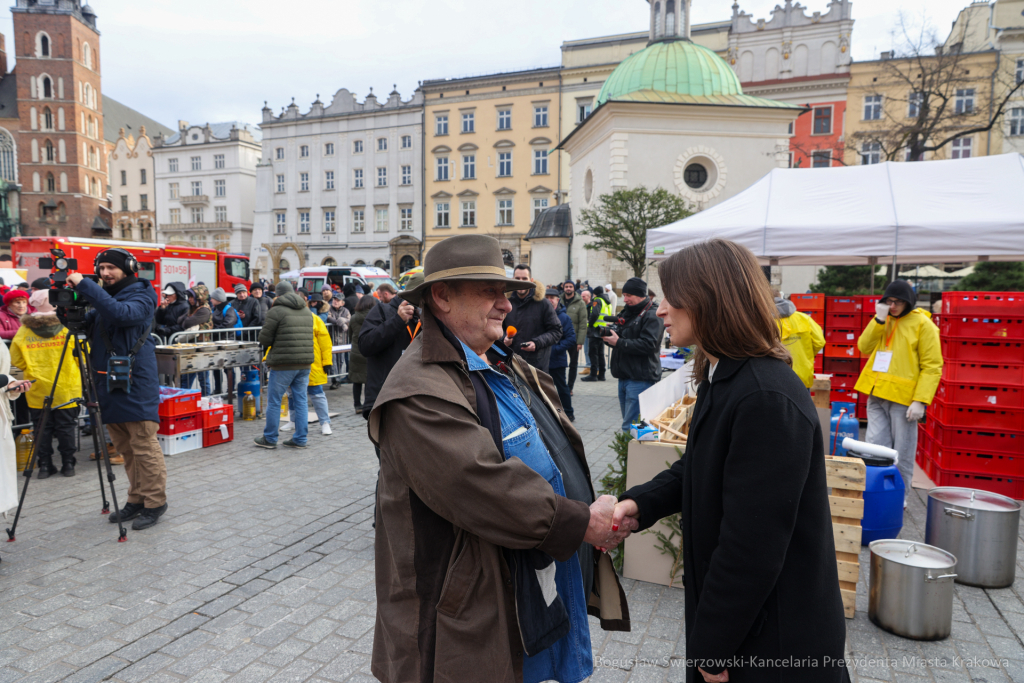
x=934, y=211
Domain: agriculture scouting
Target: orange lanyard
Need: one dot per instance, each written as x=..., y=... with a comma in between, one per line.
x=888, y=341
x=413, y=333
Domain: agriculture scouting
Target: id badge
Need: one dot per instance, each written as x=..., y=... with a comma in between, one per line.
x=882, y=361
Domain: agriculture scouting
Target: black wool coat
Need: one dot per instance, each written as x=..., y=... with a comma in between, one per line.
x=759, y=560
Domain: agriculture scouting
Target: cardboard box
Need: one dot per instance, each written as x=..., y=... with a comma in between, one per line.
x=821, y=390
x=643, y=560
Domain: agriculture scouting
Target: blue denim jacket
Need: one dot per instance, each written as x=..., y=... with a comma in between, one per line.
x=569, y=660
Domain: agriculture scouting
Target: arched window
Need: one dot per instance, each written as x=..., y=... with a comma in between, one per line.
x=407, y=263
x=147, y=232
x=47, y=87
x=47, y=119
x=48, y=152
x=94, y=161
x=222, y=241
x=42, y=210
x=51, y=184
x=657, y=20
x=284, y=265
x=360, y=262
x=329, y=261
x=126, y=231
x=670, y=18
x=8, y=167
x=87, y=55
x=43, y=45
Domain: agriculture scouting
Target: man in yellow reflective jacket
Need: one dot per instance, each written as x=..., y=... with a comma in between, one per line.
x=802, y=336
x=903, y=371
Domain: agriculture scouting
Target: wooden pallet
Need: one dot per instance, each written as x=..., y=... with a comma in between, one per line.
x=674, y=422
x=847, y=477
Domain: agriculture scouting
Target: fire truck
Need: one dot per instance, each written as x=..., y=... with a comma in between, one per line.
x=158, y=263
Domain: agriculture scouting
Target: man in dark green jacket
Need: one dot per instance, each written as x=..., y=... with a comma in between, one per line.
x=287, y=335
x=577, y=312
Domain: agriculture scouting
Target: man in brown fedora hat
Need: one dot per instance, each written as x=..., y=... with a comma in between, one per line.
x=486, y=515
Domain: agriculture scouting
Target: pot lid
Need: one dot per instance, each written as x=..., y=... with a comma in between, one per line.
x=913, y=554
x=974, y=499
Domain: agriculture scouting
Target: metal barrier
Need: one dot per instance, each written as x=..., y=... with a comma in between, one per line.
x=242, y=334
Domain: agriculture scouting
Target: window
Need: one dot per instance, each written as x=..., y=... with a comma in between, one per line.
x=279, y=153
x=358, y=220
x=441, y=209
x=382, y=144
x=964, y=101
x=871, y=153
x=1020, y=71
x=329, y=220
x=821, y=158
x=280, y=182
x=583, y=110
x=197, y=164
x=468, y=215
x=1017, y=121
x=407, y=175
x=961, y=148
x=174, y=190
x=47, y=119
x=199, y=241
x=304, y=151
x=540, y=162
x=873, y=108
x=540, y=116
x=197, y=214
x=282, y=223
x=304, y=222
x=328, y=180
x=539, y=205
x=357, y=146
x=468, y=122
x=329, y=149
x=220, y=214
x=504, y=212
x=197, y=188
x=49, y=156
x=914, y=103
x=8, y=171
x=382, y=221
x=218, y=161
x=143, y=176
x=406, y=216
x=357, y=176
x=124, y=177
x=220, y=188
x=44, y=45
x=468, y=166
x=222, y=242
x=504, y=164
x=143, y=202
x=172, y=165
x=47, y=87
x=504, y=119
x=441, y=124
x=442, y=168
x=406, y=142
x=823, y=120
x=382, y=177
x=124, y=202
x=303, y=182
x=175, y=216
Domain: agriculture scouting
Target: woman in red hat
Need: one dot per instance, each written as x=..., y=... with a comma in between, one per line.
x=15, y=306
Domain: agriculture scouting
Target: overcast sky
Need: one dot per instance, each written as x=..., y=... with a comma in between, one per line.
x=218, y=60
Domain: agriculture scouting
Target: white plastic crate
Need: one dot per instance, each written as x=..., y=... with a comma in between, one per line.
x=172, y=444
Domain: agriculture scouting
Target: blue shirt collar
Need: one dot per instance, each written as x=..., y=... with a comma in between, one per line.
x=474, y=361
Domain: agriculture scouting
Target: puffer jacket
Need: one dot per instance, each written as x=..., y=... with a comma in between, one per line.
x=636, y=355
x=535, y=321
x=323, y=350
x=37, y=349
x=9, y=323
x=916, y=365
x=339, y=318
x=168, y=314
x=288, y=333
x=578, y=313
x=802, y=336
x=224, y=316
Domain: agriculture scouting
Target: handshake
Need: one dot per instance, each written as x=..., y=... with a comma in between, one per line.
x=611, y=522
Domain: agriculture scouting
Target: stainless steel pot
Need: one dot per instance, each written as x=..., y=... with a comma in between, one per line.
x=980, y=528
x=911, y=589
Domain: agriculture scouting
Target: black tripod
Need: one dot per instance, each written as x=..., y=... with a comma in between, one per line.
x=76, y=338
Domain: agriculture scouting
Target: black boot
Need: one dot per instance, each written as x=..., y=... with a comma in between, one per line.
x=45, y=470
x=129, y=511
x=68, y=470
x=148, y=518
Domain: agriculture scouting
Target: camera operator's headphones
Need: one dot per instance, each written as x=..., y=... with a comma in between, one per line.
x=131, y=263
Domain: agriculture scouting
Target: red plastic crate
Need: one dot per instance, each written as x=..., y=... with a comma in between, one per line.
x=842, y=366
x=844, y=381
x=218, y=416
x=842, y=321
x=989, y=396
x=180, y=403
x=214, y=437
x=868, y=302
x=985, y=351
x=816, y=316
x=844, y=304
x=843, y=396
x=842, y=351
x=1012, y=487
x=976, y=417
x=819, y=364
x=840, y=336
x=976, y=327
x=808, y=302
x=862, y=411
x=179, y=424
x=983, y=373
x=983, y=303
x=975, y=440
x=999, y=464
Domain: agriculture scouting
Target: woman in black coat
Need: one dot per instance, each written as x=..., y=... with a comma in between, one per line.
x=762, y=588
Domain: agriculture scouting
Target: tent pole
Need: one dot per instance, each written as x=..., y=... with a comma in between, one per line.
x=894, y=269
x=872, y=263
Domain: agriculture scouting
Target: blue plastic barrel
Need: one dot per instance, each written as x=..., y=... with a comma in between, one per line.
x=250, y=382
x=883, y=500
x=844, y=424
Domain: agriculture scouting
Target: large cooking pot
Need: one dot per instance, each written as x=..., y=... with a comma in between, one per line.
x=911, y=589
x=980, y=528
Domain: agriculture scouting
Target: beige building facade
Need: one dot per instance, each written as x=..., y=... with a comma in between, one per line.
x=131, y=187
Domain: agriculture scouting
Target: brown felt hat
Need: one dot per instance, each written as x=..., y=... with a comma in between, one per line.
x=464, y=257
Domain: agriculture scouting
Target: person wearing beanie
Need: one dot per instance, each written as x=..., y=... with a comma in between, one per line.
x=559, y=362
x=636, y=349
x=259, y=292
x=578, y=314
x=537, y=326
x=224, y=317
x=387, y=331
x=15, y=305
x=119, y=324
x=37, y=349
x=902, y=374
x=327, y=293
x=249, y=308
x=318, y=306
x=598, y=309
x=174, y=305
x=338, y=319
x=40, y=283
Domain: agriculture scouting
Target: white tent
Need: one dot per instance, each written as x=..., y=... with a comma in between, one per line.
x=922, y=212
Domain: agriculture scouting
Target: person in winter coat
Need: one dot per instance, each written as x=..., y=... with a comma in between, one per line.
x=636, y=349
x=37, y=349
x=121, y=318
x=578, y=313
x=902, y=373
x=199, y=317
x=802, y=336
x=262, y=299
x=353, y=293
x=287, y=335
x=224, y=317
x=599, y=307
x=751, y=483
x=560, y=360
x=386, y=333
x=175, y=305
x=357, y=361
x=8, y=450
x=249, y=308
x=318, y=374
x=338, y=318
x=318, y=306
x=15, y=305
x=537, y=326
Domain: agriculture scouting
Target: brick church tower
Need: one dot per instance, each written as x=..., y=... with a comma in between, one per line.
x=62, y=162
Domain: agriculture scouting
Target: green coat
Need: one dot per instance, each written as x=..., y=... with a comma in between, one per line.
x=288, y=331
x=577, y=312
x=356, y=361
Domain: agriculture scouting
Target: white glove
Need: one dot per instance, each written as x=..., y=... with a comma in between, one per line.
x=915, y=411
x=881, y=312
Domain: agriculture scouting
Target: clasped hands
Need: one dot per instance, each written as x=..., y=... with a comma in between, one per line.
x=611, y=522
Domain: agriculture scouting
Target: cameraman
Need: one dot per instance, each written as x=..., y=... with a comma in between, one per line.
x=636, y=361
x=119, y=324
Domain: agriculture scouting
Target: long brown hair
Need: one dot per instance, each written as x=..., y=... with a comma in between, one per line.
x=723, y=290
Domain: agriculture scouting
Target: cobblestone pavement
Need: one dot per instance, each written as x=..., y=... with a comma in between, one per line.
x=262, y=570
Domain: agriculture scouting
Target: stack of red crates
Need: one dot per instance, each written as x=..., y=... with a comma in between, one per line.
x=218, y=425
x=843, y=324
x=814, y=306
x=974, y=433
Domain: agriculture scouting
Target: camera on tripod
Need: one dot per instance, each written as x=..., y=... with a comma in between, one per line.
x=614, y=325
x=61, y=293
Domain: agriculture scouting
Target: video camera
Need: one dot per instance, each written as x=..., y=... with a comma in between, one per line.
x=615, y=324
x=70, y=307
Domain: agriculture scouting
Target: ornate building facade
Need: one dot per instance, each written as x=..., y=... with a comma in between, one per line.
x=131, y=184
